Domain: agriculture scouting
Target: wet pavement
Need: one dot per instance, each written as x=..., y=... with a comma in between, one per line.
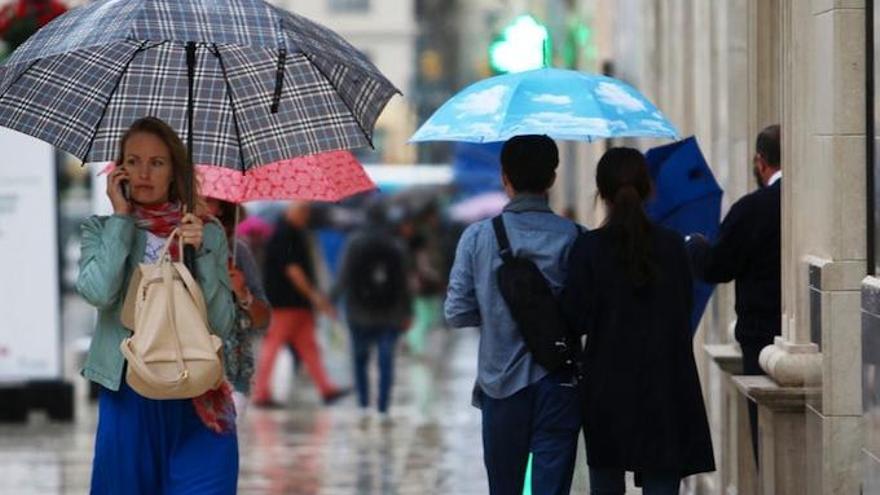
x=429, y=445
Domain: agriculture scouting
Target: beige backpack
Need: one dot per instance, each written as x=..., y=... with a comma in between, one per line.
x=172, y=353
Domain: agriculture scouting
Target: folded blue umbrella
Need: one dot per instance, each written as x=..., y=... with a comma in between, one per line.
x=476, y=168
x=687, y=200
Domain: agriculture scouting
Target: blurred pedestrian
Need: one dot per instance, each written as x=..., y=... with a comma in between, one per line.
x=252, y=306
x=427, y=277
x=630, y=292
x=294, y=296
x=749, y=250
x=256, y=232
x=373, y=283
x=144, y=445
x=330, y=238
x=525, y=408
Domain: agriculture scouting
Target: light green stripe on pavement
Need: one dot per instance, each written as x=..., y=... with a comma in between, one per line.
x=527, y=488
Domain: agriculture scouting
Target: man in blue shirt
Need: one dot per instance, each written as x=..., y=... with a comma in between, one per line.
x=525, y=408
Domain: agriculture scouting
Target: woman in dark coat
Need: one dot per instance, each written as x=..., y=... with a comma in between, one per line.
x=630, y=292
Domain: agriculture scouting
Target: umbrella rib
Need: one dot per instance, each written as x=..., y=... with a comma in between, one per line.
x=18, y=78
x=216, y=51
x=350, y=110
x=279, y=80
x=110, y=96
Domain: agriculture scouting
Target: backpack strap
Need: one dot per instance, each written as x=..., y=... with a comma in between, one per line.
x=501, y=236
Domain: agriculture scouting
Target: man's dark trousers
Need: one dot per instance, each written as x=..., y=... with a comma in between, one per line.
x=751, y=351
x=543, y=419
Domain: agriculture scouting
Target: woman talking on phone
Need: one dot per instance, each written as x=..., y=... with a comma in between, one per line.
x=146, y=446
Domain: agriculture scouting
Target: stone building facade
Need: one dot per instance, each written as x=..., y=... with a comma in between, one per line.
x=386, y=31
x=722, y=71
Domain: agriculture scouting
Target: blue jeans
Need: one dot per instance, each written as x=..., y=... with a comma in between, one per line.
x=605, y=481
x=363, y=338
x=543, y=419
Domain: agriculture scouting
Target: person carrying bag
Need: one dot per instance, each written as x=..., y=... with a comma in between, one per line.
x=166, y=420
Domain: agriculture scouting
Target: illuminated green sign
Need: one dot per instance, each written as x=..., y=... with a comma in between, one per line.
x=523, y=45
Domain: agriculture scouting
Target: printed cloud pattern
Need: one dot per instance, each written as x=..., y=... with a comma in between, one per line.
x=562, y=104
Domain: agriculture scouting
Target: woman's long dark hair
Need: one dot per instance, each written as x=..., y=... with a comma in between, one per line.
x=623, y=182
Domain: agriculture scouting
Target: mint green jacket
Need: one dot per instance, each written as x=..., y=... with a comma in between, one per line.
x=112, y=247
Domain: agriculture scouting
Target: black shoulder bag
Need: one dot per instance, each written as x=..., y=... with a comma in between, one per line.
x=534, y=308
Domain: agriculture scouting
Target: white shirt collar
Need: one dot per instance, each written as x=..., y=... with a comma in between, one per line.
x=775, y=178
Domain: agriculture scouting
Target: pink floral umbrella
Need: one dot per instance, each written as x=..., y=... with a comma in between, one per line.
x=329, y=176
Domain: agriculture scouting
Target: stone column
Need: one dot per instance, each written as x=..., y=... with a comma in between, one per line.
x=871, y=384
x=764, y=64
x=736, y=182
x=678, y=38
x=699, y=75
x=734, y=178
x=824, y=235
x=794, y=357
x=737, y=471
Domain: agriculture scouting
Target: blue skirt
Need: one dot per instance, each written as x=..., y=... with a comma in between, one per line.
x=159, y=447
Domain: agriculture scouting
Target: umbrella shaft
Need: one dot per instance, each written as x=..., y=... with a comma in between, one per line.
x=190, y=102
x=189, y=253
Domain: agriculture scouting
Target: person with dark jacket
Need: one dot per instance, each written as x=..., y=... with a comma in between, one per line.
x=373, y=282
x=294, y=295
x=630, y=291
x=749, y=250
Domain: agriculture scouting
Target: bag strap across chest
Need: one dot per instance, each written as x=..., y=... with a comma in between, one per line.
x=505, y=250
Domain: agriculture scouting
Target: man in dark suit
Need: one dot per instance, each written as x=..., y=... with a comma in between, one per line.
x=748, y=250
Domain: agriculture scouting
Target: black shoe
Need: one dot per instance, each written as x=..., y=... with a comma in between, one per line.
x=334, y=396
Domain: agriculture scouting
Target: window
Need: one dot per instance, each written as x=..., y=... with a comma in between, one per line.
x=349, y=5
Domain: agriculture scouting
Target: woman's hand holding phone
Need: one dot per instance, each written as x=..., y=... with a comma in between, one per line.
x=117, y=191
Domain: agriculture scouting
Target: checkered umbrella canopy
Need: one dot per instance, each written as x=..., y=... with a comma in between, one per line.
x=267, y=85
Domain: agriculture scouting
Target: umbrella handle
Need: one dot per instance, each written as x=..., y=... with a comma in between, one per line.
x=189, y=259
x=234, y=242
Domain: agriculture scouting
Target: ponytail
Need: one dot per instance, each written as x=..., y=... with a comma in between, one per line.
x=623, y=181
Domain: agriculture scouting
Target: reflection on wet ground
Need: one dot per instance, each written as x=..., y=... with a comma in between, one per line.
x=430, y=445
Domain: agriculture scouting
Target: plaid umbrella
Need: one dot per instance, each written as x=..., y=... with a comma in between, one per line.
x=244, y=82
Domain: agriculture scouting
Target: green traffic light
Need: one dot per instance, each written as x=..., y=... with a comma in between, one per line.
x=523, y=45
x=582, y=34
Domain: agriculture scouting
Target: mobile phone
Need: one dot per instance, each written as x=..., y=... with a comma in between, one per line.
x=126, y=190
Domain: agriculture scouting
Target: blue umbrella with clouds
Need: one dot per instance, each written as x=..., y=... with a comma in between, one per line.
x=562, y=104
